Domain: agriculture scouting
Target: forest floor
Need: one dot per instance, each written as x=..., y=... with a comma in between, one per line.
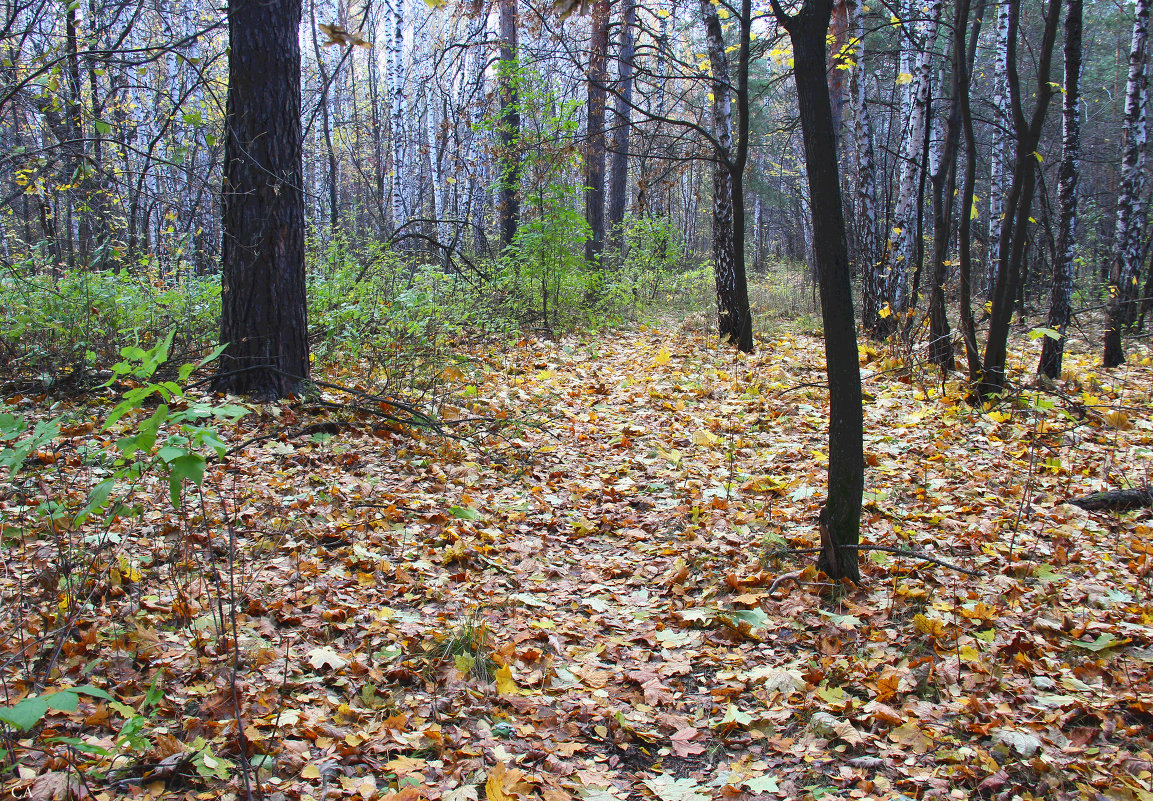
x=591, y=604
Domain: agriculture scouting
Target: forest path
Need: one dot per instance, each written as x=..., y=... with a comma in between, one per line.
x=579, y=606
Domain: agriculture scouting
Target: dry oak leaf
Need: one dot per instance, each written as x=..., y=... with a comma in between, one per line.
x=508, y=784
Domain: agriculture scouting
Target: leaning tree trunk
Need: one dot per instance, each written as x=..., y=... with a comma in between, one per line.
x=595, y=137
x=1052, y=350
x=1123, y=276
x=263, y=311
x=618, y=190
x=841, y=516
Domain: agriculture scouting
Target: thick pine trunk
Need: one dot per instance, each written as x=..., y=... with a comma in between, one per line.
x=263, y=314
x=841, y=517
x=1123, y=276
x=1052, y=350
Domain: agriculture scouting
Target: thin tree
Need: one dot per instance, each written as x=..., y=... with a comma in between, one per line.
x=595, y=136
x=1123, y=274
x=1019, y=202
x=735, y=322
x=509, y=126
x=263, y=312
x=622, y=126
x=841, y=516
x=944, y=180
x=1053, y=349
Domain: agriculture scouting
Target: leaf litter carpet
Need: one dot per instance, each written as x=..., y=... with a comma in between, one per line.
x=590, y=605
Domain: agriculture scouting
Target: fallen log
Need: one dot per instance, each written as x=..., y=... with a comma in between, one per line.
x=1125, y=500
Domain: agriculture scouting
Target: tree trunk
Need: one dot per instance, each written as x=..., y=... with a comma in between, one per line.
x=1052, y=350
x=1124, y=289
x=263, y=314
x=508, y=144
x=944, y=189
x=734, y=318
x=868, y=238
x=595, y=137
x=841, y=516
x=965, y=228
x=396, y=108
x=1027, y=132
x=902, y=247
x=1001, y=128
x=619, y=167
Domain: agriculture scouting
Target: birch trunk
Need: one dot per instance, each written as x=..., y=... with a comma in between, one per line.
x=902, y=244
x=396, y=110
x=868, y=237
x=1123, y=280
x=1002, y=126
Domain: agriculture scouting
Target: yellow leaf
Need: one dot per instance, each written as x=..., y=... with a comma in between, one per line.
x=885, y=312
x=311, y=771
x=662, y=357
x=705, y=438
x=904, y=78
x=505, y=684
x=1000, y=417
x=1119, y=420
x=929, y=625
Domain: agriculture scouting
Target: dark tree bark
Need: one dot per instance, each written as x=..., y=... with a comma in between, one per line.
x=619, y=166
x=735, y=322
x=263, y=316
x=965, y=228
x=945, y=184
x=1053, y=350
x=509, y=132
x=841, y=517
x=1015, y=227
x=595, y=138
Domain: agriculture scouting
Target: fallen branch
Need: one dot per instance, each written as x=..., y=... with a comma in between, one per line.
x=924, y=557
x=1125, y=500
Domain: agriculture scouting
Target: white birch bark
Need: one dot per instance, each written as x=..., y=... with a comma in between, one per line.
x=902, y=244
x=1002, y=128
x=867, y=233
x=1131, y=194
x=396, y=104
